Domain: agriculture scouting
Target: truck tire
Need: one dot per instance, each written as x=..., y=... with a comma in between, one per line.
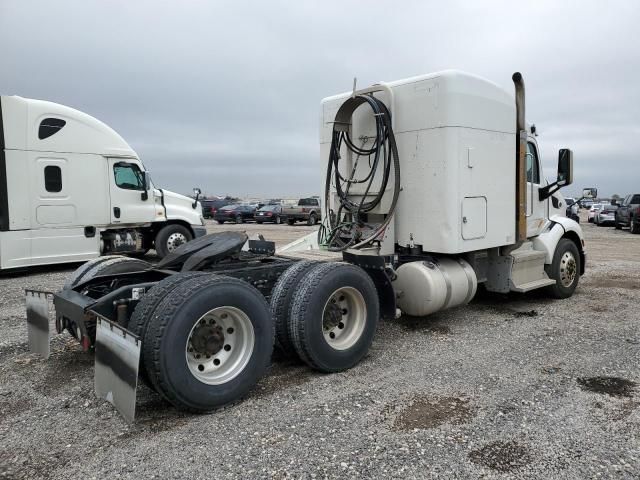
x=616, y=223
x=634, y=225
x=171, y=237
x=220, y=222
x=565, y=269
x=334, y=316
x=290, y=221
x=278, y=220
x=221, y=317
x=77, y=275
x=146, y=307
x=281, y=296
x=313, y=219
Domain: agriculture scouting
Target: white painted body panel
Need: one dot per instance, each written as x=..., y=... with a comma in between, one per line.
x=456, y=141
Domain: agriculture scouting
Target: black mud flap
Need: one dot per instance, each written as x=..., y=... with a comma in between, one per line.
x=117, y=363
x=38, y=324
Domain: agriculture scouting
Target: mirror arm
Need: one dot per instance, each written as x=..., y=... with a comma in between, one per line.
x=546, y=192
x=195, y=201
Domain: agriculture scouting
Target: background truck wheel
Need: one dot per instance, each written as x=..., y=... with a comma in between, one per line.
x=77, y=275
x=565, y=269
x=281, y=296
x=278, y=220
x=146, y=308
x=312, y=219
x=616, y=224
x=634, y=225
x=171, y=237
x=291, y=221
x=334, y=316
x=208, y=343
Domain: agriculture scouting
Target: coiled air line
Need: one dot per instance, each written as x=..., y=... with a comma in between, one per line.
x=348, y=226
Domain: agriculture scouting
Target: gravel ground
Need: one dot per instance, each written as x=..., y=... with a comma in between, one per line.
x=515, y=386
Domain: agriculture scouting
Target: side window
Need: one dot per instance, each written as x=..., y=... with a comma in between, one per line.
x=128, y=176
x=52, y=178
x=635, y=199
x=50, y=126
x=533, y=172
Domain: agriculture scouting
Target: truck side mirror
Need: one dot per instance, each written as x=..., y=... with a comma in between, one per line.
x=196, y=194
x=565, y=167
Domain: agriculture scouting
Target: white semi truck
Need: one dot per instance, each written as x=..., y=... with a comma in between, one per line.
x=72, y=189
x=432, y=186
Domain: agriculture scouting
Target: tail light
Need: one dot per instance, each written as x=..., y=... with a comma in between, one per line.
x=269, y=214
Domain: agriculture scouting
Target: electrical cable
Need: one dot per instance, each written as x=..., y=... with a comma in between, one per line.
x=347, y=227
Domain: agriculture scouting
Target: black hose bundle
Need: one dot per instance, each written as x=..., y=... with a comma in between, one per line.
x=348, y=227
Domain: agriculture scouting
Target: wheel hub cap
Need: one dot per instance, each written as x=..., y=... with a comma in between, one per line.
x=175, y=240
x=568, y=269
x=344, y=318
x=220, y=345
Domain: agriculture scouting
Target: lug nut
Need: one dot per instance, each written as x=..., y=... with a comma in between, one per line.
x=341, y=325
x=216, y=361
x=227, y=347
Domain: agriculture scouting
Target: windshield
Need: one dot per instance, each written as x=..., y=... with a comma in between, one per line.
x=230, y=207
x=269, y=208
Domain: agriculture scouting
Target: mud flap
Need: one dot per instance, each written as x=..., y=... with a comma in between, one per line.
x=37, y=303
x=116, y=369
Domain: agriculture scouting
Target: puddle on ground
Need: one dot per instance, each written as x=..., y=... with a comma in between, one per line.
x=612, y=386
x=501, y=456
x=431, y=412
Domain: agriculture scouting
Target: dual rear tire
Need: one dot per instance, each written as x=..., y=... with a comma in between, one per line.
x=326, y=314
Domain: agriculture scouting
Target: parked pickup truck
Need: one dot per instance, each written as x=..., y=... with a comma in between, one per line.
x=307, y=209
x=628, y=214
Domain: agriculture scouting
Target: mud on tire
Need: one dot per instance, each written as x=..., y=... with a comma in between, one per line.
x=168, y=345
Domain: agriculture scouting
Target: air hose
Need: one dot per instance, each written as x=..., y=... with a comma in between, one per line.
x=348, y=226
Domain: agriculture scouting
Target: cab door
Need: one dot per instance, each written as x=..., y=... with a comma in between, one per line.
x=536, y=209
x=127, y=189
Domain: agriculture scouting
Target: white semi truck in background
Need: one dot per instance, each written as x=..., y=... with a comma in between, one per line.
x=72, y=189
x=432, y=186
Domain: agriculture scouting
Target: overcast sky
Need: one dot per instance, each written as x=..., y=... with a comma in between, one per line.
x=225, y=95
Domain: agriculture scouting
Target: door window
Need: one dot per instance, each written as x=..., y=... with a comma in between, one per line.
x=533, y=171
x=128, y=176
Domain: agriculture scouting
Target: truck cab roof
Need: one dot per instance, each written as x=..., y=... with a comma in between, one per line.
x=38, y=125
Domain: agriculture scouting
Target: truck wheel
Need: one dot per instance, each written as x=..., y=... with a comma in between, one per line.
x=312, y=219
x=171, y=237
x=77, y=275
x=565, y=269
x=220, y=222
x=334, y=316
x=634, y=226
x=290, y=221
x=281, y=296
x=278, y=220
x=146, y=307
x=208, y=343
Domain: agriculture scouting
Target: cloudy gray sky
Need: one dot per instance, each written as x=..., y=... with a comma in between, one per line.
x=225, y=95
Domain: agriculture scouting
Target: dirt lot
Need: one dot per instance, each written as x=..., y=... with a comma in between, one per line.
x=513, y=386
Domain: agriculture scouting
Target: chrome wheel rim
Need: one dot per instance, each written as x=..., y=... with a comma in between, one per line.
x=344, y=318
x=568, y=269
x=175, y=240
x=220, y=345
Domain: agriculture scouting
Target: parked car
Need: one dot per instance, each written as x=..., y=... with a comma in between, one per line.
x=270, y=213
x=591, y=214
x=628, y=214
x=210, y=207
x=606, y=215
x=572, y=209
x=234, y=213
x=308, y=210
